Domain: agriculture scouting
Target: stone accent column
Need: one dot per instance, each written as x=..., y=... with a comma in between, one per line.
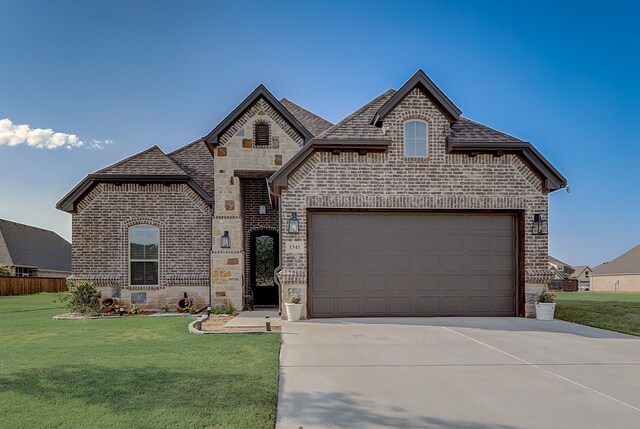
x=227, y=264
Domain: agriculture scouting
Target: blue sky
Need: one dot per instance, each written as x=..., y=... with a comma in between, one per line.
x=123, y=76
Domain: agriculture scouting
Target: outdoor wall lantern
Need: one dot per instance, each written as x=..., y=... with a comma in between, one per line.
x=540, y=225
x=262, y=210
x=224, y=240
x=294, y=224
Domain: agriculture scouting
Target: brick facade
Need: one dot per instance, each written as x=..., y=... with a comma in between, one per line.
x=100, y=240
x=392, y=181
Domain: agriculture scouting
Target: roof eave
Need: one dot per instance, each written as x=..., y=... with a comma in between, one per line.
x=69, y=202
x=280, y=178
x=553, y=179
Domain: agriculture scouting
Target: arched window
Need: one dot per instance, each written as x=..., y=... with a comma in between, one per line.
x=416, y=138
x=144, y=245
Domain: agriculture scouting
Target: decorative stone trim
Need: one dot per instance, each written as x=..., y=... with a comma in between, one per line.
x=186, y=280
x=438, y=202
x=537, y=275
x=100, y=280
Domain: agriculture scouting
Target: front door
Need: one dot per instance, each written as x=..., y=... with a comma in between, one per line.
x=264, y=260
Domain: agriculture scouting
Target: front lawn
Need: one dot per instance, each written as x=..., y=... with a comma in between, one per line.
x=613, y=311
x=143, y=372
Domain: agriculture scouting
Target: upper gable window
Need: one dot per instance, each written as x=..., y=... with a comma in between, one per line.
x=262, y=134
x=144, y=242
x=416, y=140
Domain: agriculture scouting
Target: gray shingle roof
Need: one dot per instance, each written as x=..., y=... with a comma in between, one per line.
x=149, y=162
x=197, y=162
x=34, y=247
x=466, y=130
x=358, y=124
x=312, y=122
x=627, y=263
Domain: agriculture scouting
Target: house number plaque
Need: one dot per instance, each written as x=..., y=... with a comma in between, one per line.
x=295, y=247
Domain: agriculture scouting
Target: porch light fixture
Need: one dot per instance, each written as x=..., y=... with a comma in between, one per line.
x=224, y=240
x=263, y=209
x=294, y=224
x=540, y=225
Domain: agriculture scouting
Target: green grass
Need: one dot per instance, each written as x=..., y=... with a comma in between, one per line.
x=143, y=372
x=613, y=311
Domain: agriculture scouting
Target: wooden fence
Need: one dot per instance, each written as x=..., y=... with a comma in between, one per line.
x=29, y=285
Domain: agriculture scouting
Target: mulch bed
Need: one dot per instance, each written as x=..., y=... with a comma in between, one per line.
x=216, y=324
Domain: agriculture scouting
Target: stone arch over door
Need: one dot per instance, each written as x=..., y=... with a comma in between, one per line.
x=264, y=258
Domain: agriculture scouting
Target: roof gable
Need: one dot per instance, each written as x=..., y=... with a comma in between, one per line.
x=35, y=247
x=150, y=161
x=627, y=263
x=213, y=138
x=422, y=81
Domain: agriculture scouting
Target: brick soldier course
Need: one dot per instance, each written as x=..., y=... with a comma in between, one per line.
x=194, y=196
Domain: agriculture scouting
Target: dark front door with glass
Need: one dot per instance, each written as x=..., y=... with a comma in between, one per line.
x=264, y=260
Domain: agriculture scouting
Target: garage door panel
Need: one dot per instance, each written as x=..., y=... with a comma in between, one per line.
x=477, y=262
x=324, y=283
x=373, y=263
x=503, y=244
x=324, y=262
x=375, y=305
x=452, y=283
x=401, y=305
x=480, y=304
x=453, y=304
x=374, y=283
x=348, y=283
x=424, y=264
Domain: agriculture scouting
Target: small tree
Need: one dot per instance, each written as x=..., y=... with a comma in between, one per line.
x=82, y=297
x=5, y=270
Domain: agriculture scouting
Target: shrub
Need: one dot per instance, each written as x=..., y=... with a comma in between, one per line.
x=134, y=309
x=166, y=308
x=82, y=297
x=223, y=309
x=5, y=270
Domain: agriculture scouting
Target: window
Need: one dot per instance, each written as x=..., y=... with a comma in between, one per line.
x=262, y=134
x=144, y=242
x=25, y=272
x=415, y=139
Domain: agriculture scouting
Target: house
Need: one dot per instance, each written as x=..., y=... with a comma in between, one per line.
x=560, y=271
x=402, y=208
x=33, y=252
x=582, y=273
x=620, y=275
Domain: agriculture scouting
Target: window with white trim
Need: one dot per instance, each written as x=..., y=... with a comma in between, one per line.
x=416, y=138
x=144, y=244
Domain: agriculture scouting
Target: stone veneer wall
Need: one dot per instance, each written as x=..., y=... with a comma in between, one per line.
x=100, y=241
x=236, y=151
x=254, y=193
x=391, y=181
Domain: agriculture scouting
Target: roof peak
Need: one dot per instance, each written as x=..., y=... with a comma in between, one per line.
x=421, y=80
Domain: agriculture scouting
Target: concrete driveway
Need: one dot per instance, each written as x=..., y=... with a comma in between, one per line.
x=469, y=373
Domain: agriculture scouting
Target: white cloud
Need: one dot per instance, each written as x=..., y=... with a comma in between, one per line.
x=14, y=135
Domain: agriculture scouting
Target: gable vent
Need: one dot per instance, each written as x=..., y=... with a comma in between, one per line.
x=262, y=134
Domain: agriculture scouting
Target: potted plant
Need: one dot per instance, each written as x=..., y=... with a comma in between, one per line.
x=546, y=306
x=294, y=307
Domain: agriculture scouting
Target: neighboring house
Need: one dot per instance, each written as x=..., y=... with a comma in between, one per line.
x=582, y=273
x=402, y=208
x=560, y=271
x=620, y=275
x=33, y=252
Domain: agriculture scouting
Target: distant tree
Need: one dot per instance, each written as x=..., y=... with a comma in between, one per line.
x=5, y=270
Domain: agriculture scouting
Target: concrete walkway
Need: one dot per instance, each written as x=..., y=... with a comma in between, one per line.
x=255, y=318
x=468, y=373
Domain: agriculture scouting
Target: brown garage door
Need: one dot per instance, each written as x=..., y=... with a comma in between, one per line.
x=411, y=264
